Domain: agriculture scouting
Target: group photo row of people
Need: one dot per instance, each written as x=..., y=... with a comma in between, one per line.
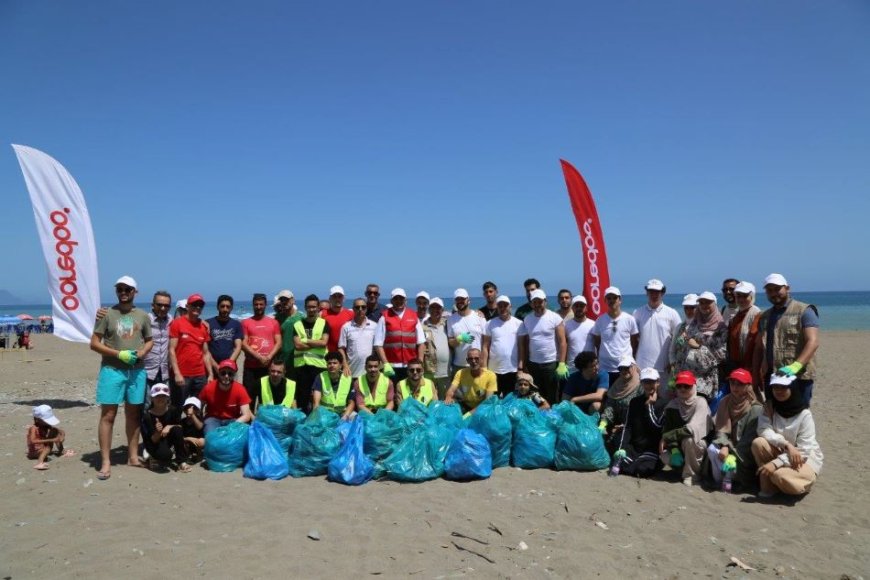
x=719, y=395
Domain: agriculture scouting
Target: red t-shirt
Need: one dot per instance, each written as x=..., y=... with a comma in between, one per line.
x=190, y=337
x=260, y=336
x=222, y=404
x=334, y=322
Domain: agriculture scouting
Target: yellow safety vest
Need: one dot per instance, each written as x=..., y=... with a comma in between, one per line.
x=379, y=401
x=266, y=392
x=426, y=394
x=315, y=357
x=334, y=400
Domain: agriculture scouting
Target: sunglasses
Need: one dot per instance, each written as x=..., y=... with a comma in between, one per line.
x=226, y=373
x=372, y=293
x=196, y=305
x=415, y=371
x=684, y=387
x=157, y=305
x=124, y=289
x=363, y=307
x=471, y=358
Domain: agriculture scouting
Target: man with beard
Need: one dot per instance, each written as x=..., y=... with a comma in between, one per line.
x=357, y=340
x=543, y=348
x=374, y=309
x=530, y=285
x=500, y=350
x=615, y=334
x=490, y=293
x=157, y=360
x=564, y=299
x=577, y=331
x=262, y=342
x=730, y=307
x=656, y=323
x=311, y=336
x=335, y=316
x=422, y=303
x=472, y=384
x=225, y=400
x=226, y=333
x=399, y=337
x=436, y=365
x=465, y=328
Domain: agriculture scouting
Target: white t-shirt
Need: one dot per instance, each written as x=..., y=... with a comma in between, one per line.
x=579, y=338
x=656, y=327
x=615, y=339
x=456, y=325
x=503, y=351
x=359, y=342
x=541, y=331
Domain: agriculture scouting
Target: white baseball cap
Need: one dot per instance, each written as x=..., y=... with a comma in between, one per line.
x=336, y=290
x=127, y=281
x=181, y=303
x=158, y=389
x=612, y=290
x=45, y=413
x=745, y=288
x=655, y=284
x=538, y=293
x=284, y=294
x=625, y=360
x=423, y=294
x=460, y=293
x=192, y=401
x=776, y=280
x=707, y=295
x=690, y=300
x=503, y=298
x=437, y=301
x=783, y=380
x=649, y=374
x=578, y=298
x=398, y=292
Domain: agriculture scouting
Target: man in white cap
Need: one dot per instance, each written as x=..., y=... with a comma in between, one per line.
x=788, y=338
x=464, y=328
x=500, y=352
x=578, y=330
x=543, y=348
x=284, y=305
x=335, y=316
x=530, y=285
x=357, y=340
x=656, y=323
x=615, y=334
x=399, y=337
x=123, y=338
x=436, y=364
x=422, y=303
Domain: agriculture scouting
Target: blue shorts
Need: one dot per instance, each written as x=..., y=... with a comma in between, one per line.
x=116, y=386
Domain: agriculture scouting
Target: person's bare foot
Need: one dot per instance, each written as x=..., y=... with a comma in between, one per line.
x=136, y=463
x=42, y=466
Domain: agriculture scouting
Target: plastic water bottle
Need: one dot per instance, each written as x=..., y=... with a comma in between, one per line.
x=614, y=469
x=726, y=482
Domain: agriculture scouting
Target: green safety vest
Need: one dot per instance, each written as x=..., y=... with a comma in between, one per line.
x=266, y=392
x=426, y=394
x=334, y=400
x=315, y=357
x=380, y=399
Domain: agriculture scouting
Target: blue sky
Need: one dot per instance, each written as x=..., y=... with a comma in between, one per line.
x=243, y=147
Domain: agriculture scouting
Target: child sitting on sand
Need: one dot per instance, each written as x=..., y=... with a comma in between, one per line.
x=527, y=389
x=44, y=435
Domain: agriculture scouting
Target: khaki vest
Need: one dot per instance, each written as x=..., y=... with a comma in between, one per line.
x=788, y=339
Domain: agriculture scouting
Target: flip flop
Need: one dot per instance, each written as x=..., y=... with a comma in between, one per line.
x=41, y=466
x=104, y=475
x=69, y=453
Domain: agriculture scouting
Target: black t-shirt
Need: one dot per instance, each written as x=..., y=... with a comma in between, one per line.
x=172, y=416
x=644, y=424
x=488, y=313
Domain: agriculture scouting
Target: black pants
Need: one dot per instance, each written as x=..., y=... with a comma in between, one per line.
x=401, y=375
x=506, y=383
x=251, y=380
x=546, y=379
x=305, y=376
x=162, y=450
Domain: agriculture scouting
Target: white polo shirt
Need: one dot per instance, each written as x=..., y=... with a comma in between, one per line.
x=579, y=338
x=503, y=350
x=541, y=331
x=656, y=327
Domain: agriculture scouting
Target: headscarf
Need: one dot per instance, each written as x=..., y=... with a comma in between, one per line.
x=791, y=406
x=621, y=388
x=695, y=412
x=731, y=410
x=709, y=323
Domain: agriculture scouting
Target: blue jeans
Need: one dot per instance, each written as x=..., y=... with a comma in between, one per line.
x=212, y=423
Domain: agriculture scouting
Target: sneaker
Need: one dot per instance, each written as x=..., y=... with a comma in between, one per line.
x=688, y=481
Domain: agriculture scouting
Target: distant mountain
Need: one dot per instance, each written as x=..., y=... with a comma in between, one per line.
x=9, y=299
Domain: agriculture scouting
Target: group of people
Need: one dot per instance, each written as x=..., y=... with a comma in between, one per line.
x=651, y=375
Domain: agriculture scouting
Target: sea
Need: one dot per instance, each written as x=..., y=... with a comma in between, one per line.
x=837, y=310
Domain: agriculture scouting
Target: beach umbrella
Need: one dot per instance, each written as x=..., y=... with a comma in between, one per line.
x=24, y=317
x=45, y=317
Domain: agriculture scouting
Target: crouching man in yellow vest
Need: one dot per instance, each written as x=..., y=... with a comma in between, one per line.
x=276, y=388
x=416, y=386
x=374, y=391
x=332, y=388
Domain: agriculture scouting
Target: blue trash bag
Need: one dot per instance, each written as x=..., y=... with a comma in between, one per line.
x=468, y=457
x=324, y=417
x=266, y=459
x=281, y=421
x=351, y=466
x=344, y=429
x=225, y=447
x=534, y=441
x=413, y=412
x=491, y=421
x=420, y=456
x=315, y=443
x=579, y=444
x=382, y=431
x=445, y=415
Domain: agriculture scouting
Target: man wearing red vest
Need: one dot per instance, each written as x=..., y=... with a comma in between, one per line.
x=399, y=337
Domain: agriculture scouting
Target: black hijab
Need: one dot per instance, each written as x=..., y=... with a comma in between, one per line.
x=791, y=406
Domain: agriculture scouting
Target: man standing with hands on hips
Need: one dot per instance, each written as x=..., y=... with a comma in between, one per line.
x=122, y=337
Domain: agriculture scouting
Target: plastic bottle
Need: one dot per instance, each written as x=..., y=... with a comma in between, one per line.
x=726, y=482
x=614, y=469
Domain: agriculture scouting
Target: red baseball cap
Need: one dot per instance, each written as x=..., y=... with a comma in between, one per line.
x=228, y=364
x=685, y=378
x=195, y=298
x=741, y=376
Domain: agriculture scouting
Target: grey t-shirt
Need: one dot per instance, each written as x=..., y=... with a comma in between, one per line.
x=123, y=332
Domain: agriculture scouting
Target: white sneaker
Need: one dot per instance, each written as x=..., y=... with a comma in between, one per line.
x=687, y=481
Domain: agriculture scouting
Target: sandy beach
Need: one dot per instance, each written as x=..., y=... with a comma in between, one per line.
x=63, y=522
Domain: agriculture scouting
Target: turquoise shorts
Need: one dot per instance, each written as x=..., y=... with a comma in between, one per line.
x=116, y=386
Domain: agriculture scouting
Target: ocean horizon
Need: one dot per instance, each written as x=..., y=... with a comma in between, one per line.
x=844, y=310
